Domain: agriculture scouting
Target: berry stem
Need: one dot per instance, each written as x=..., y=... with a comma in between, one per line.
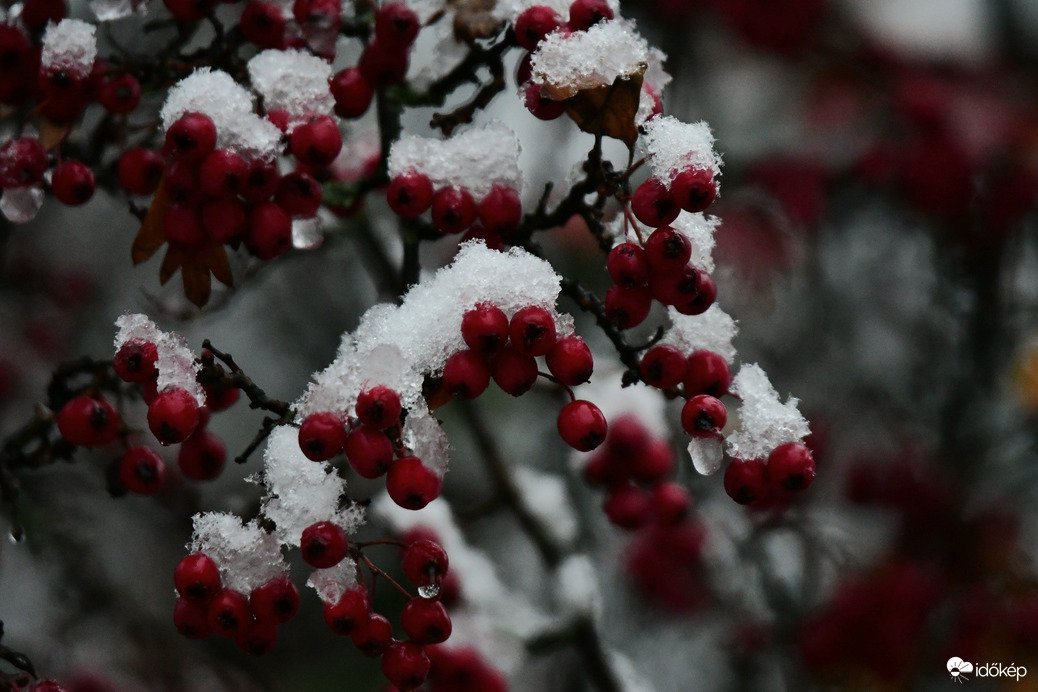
x=378, y=572
x=552, y=378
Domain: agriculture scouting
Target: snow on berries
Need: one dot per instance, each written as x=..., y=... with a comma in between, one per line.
x=473, y=175
x=292, y=81
x=70, y=47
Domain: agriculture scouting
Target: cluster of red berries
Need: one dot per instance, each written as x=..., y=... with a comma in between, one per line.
x=383, y=63
x=425, y=621
x=373, y=445
x=506, y=351
x=660, y=270
x=768, y=483
x=217, y=197
x=174, y=417
x=633, y=466
x=635, y=469
x=23, y=163
x=453, y=208
x=532, y=26
x=206, y=607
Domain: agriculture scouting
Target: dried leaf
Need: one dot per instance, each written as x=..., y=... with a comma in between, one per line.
x=150, y=237
x=197, y=282
x=175, y=257
x=53, y=134
x=474, y=19
x=215, y=257
x=610, y=110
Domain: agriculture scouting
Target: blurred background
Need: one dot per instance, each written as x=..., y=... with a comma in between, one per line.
x=878, y=247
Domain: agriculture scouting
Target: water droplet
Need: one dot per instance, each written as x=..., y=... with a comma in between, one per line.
x=429, y=591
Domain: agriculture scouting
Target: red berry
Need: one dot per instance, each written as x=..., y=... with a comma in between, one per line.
x=37, y=13
x=191, y=137
x=263, y=24
x=653, y=204
x=191, y=618
x=671, y=502
x=353, y=95
x=653, y=463
x=88, y=421
x=222, y=173
x=261, y=181
x=405, y=665
x=317, y=14
x=453, y=209
x=501, y=210
x=220, y=397
x=373, y=635
x=258, y=637
x=485, y=328
x=627, y=307
x=532, y=330
x=707, y=373
x=270, y=231
x=379, y=407
x=694, y=189
x=72, y=182
x=533, y=24
x=703, y=416
x=202, y=456
x=583, y=14
x=745, y=481
x=466, y=374
x=23, y=161
x=369, y=451
x=424, y=562
x=350, y=610
x=276, y=601
x=299, y=195
x=140, y=170
x=515, y=373
x=316, y=142
x=410, y=194
x=426, y=621
x=182, y=226
x=142, y=471
x=182, y=183
x=396, y=24
x=321, y=436
x=229, y=612
x=706, y=294
x=120, y=95
x=791, y=466
x=680, y=288
x=628, y=506
x=411, y=484
x=582, y=425
x=135, y=361
x=224, y=220
x=172, y=416
x=542, y=107
x=323, y=544
x=628, y=266
x=663, y=367
x=196, y=577
x=667, y=250
x=570, y=360
x=382, y=64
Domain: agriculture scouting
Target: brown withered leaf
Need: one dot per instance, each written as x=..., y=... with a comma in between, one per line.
x=474, y=19
x=215, y=258
x=53, y=134
x=609, y=110
x=173, y=260
x=197, y=282
x=150, y=237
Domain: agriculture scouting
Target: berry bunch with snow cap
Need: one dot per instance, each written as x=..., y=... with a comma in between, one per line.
x=470, y=183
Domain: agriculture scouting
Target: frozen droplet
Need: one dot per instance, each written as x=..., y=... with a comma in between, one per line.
x=429, y=591
x=306, y=234
x=707, y=454
x=20, y=204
